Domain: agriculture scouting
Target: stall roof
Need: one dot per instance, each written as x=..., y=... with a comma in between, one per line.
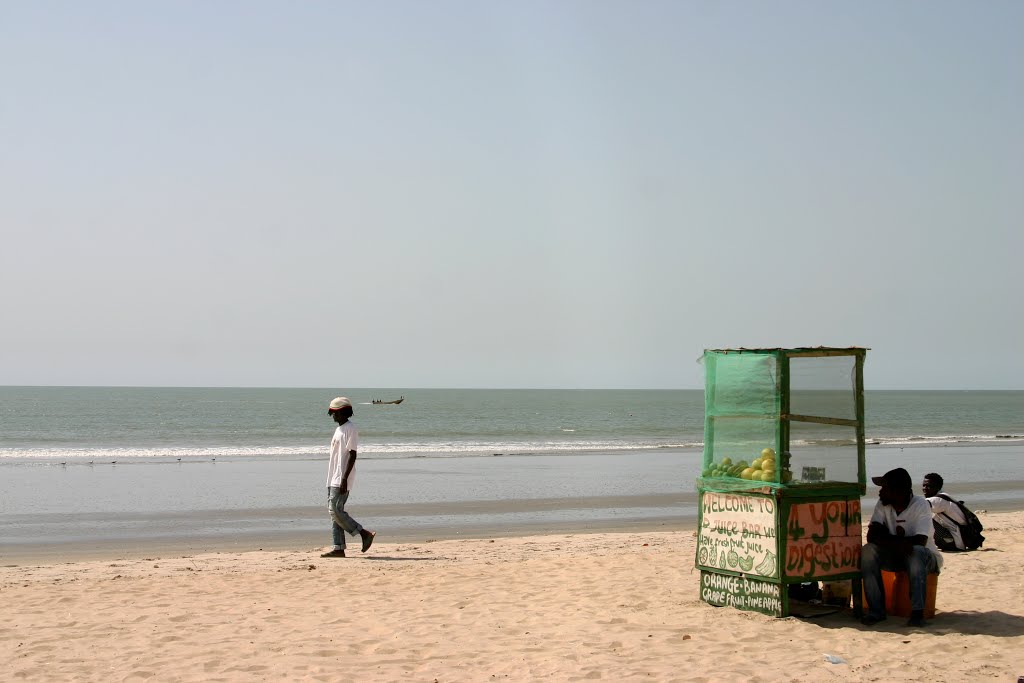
x=801, y=349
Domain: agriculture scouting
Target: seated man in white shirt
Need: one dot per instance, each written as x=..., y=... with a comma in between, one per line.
x=899, y=539
x=946, y=513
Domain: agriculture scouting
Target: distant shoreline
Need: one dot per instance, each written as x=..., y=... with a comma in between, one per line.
x=316, y=531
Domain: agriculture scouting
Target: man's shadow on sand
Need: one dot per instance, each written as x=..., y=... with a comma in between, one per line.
x=391, y=558
x=992, y=623
x=964, y=622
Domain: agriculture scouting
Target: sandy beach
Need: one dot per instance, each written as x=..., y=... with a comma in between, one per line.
x=560, y=607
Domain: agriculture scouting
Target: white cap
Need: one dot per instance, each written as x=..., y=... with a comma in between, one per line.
x=339, y=403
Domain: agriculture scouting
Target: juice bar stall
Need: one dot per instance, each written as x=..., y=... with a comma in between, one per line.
x=783, y=473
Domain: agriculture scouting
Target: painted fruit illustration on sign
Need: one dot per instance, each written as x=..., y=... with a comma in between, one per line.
x=767, y=566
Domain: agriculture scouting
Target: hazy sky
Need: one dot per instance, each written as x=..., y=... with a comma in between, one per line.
x=508, y=194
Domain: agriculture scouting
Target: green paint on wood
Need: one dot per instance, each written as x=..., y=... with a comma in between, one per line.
x=743, y=593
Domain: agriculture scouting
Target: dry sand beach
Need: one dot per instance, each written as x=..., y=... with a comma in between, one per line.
x=608, y=606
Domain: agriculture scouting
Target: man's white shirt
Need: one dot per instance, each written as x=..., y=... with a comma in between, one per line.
x=916, y=520
x=939, y=506
x=345, y=439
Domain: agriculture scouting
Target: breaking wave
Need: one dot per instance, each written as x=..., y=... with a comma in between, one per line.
x=453, y=448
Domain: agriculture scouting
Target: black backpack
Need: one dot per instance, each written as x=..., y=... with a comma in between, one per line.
x=970, y=532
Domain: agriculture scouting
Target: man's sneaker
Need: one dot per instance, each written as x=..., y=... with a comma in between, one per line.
x=367, y=538
x=871, y=619
x=916, y=618
x=337, y=552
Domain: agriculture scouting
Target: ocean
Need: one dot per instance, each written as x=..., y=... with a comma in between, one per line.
x=47, y=424
x=89, y=465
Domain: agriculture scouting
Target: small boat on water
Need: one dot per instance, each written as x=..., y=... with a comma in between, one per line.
x=378, y=402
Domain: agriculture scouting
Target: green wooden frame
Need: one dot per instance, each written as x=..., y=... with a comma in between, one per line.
x=785, y=417
x=841, y=500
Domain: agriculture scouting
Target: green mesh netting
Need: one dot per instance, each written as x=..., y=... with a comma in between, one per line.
x=741, y=384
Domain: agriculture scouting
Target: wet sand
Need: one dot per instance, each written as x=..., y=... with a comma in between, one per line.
x=135, y=535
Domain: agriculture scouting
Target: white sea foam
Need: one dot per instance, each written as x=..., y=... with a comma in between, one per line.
x=108, y=454
x=445, y=448
x=947, y=439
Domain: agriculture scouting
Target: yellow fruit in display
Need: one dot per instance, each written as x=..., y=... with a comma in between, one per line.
x=768, y=476
x=747, y=473
x=756, y=464
x=767, y=465
x=726, y=461
x=768, y=453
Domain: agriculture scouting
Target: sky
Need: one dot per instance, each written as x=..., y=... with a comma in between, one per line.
x=508, y=194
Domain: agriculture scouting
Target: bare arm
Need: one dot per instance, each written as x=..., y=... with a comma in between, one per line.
x=879, y=535
x=348, y=471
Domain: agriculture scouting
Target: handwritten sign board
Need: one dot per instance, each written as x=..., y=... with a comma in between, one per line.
x=809, y=474
x=737, y=533
x=742, y=593
x=822, y=539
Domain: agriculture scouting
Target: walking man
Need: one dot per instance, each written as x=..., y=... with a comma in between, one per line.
x=341, y=474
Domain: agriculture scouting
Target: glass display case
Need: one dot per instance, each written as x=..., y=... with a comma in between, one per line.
x=783, y=473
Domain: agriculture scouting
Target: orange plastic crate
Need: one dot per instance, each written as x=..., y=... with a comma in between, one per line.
x=897, y=594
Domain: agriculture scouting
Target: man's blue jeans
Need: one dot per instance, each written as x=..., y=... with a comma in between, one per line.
x=918, y=565
x=341, y=521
